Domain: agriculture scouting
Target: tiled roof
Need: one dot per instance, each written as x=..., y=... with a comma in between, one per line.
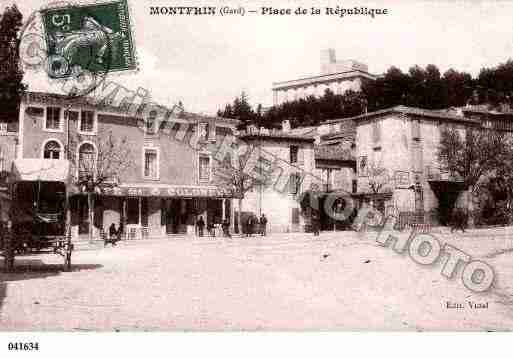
x=334, y=153
x=199, y=117
x=54, y=98
x=277, y=135
x=307, y=131
x=487, y=109
x=347, y=134
x=415, y=111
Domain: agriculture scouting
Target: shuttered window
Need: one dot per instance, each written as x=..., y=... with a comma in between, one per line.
x=294, y=151
x=53, y=118
x=301, y=155
x=417, y=157
x=204, y=168
x=376, y=131
x=415, y=129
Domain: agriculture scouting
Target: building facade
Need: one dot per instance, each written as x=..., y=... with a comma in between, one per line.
x=397, y=161
x=170, y=181
x=338, y=76
x=291, y=165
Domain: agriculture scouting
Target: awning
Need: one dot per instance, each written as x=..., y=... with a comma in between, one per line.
x=170, y=191
x=33, y=169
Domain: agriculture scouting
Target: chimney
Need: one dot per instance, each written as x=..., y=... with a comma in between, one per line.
x=327, y=58
x=285, y=125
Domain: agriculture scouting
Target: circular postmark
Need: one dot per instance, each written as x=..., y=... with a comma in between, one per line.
x=69, y=43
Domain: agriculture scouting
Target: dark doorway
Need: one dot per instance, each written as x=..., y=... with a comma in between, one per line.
x=175, y=220
x=83, y=215
x=447, y=193
x=335, y=205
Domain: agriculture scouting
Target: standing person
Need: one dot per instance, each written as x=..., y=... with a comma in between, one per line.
x=200, y=223
x=211, y=229
x=315, y=223
x=120, y=231
x=250, y=223
x=226, y=228
x=459, y=220
x=113, y=232
x=263, y=224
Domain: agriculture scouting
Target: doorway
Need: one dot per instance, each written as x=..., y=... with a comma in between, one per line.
x=447, y=194
x=174, y=216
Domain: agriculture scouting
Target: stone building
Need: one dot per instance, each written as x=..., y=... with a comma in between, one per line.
x=319, y=160
x=397, y=163
x=338, y=76
x=292, y=162
x=171, y=180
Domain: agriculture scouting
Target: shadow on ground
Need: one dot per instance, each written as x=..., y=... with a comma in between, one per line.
x=3, y=291
x=25, y=269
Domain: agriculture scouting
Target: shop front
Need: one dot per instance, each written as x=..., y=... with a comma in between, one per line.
x=144, y=211
x=152, y=211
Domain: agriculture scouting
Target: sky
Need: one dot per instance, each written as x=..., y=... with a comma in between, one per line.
x=206, y=61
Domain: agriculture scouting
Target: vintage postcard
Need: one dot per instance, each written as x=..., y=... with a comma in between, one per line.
x=255, y=166
x=93, y=38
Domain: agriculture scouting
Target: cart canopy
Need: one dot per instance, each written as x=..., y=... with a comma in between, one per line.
x=36, y=169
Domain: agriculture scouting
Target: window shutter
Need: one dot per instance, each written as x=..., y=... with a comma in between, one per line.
x=301, y=155
x=293, y=154
x=417, y=157
x=293, y=183
x=415, y=129
x=376, y=132
x=295, y=215
x=212, y=132
x=202, y=131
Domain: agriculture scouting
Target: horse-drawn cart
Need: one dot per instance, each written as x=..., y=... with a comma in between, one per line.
x=39, y=219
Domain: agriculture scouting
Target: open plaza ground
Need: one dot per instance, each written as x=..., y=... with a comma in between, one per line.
x=337, y=281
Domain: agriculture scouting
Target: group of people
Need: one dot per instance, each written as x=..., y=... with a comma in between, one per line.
x=200, y=227
x=114, y=234
x=253, y=222
x=253, y=225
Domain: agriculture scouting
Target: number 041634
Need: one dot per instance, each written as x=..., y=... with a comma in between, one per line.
x=21, y=346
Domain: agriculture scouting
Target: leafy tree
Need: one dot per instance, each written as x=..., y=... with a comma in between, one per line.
x=501, y=184
x=11, y=73
x=496, y=83
x=311, y=111
x=419, y=87
x=240, y=110
x=389, y=90
x=458, y=87
x=471, y=156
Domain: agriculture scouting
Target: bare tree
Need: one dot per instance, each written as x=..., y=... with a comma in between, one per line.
x=230, y=172
x=97, y=166
x=472, y=156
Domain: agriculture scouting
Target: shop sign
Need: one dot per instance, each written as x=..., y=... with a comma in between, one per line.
x=172, y=191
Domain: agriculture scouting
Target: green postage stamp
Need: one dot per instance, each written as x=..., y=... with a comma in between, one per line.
x=95, y=38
